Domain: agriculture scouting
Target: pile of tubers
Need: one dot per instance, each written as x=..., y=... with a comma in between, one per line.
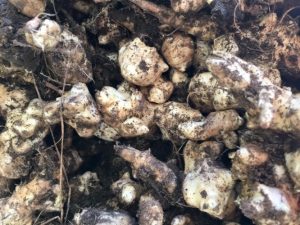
x=123, y=112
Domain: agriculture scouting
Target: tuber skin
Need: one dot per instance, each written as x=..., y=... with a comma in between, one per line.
x=159, y=92
x=209, y=188
x=202, y=51
x=12, y=99
x=268, y=106
x=43, y=34
x=292, y=164
x=194, y=153
x=19, y=208
x=145, y=166
x=170, y=115
x=261, y=201
x=30, y=8
x=184, y=6
x=178, y=50
x=226, y=43
x=230, y=139
x=126, y=189
x=126, y=112
x=66, y=57
x=206, y=94
x=24, y=131
x=94, y=216
x=79, y=110
x=203, y=27
x=150, y=211
x=140, y=64
x=182, y=220
x=214, y=124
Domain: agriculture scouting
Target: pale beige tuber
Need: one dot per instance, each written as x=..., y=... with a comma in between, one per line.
x=140, y=64
x=78, y=109
x=145, y=166
x=150, y=211
x=178, y=50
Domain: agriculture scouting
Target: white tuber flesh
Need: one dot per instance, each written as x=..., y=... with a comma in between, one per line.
x=214, y=124
x=78, y=108
x=145, y=166
x=150, y=211
x=140, y=64
x=178, y=50
x=93, y=216
x=126, y=189
x=209, y=188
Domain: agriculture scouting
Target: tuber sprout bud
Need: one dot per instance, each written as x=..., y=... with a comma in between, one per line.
x=160, y=91
x=140, y=64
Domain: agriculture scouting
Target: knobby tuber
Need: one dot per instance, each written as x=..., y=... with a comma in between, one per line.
x=140, y=64
x=214, y=124
x=78, y=108
x=268, y=105
x=145, y=165
x=211, y=86
x=209, y=188
x=93, y=216
x=26, y=200
x=150, y=211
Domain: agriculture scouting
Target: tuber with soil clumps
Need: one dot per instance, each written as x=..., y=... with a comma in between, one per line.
x=182, y=112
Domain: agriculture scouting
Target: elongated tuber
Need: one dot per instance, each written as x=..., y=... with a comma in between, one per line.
x=214, y=124
x=145, y=166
